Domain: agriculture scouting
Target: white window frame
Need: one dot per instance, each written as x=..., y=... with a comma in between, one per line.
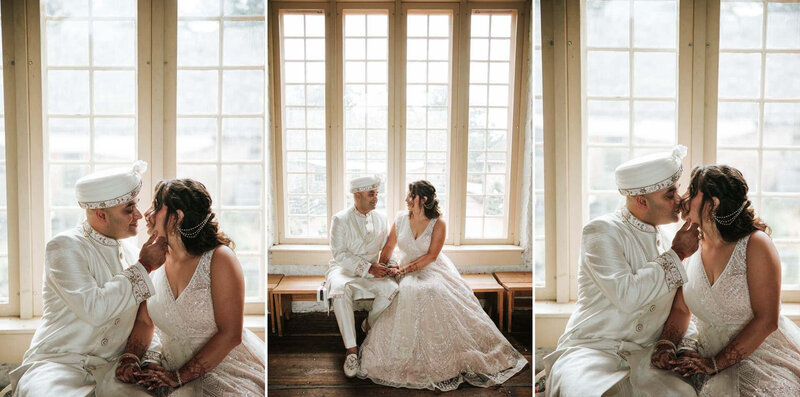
x=315, y=251
x=26, y=151
x=564, y=125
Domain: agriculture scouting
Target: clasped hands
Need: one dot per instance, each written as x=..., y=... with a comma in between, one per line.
x=382, y=270
x=688, y=364
x=151, y=378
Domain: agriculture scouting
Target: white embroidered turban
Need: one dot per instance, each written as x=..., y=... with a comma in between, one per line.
x=364, y=183
x=107, y=188
x=650, y=173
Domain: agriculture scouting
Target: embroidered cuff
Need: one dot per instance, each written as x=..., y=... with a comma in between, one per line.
x=688, y=344
x=152, y=356
x=363, y=268
x=142, y=285
x=674, y=274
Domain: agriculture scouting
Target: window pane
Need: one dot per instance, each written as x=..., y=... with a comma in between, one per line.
x=428, y=87
x=489, y=135
x=758, y=127
x=220, y=124
x=631, y=97
x=302, y=41
x=90, y=97
x=366, y=111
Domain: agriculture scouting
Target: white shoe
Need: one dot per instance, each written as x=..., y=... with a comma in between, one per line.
x=351, y=365
x=365, y=326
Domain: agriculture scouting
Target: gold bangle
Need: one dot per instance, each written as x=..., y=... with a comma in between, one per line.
x=130, y=355
x=665, y=342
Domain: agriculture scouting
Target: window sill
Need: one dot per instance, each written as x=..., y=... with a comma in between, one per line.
x=553, y=310
x=16, y=334
x=17, y=326
x=469, y=255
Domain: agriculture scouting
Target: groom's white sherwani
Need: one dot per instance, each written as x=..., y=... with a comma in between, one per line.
x=356, y=241
x=627, y=280
x=93, y=286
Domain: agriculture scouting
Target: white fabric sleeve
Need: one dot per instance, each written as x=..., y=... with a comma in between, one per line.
x=354, y=263
x=153, y=353
x=603, y=258
x=689, y=340
x=66, y=269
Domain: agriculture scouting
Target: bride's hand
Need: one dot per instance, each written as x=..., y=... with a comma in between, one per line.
x=661, y=358
x=688, y=366
x=126, y=371
x=411, y=267
x=153, y=379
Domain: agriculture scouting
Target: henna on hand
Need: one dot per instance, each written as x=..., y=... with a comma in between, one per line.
x=194, y=369
x=672, y=333
x=730, y=355
x=136, y=346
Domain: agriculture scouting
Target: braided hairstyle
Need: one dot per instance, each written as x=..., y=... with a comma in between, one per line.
x=728, y=185
x=427, y=197
x=191, y=197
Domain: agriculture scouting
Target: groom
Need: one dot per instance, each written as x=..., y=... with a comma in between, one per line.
x=357, y=236
x=93, y=287
x=628, y=276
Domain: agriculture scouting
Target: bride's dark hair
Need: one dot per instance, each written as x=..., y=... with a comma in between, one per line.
x=728, y=185
x=191, y=197
x=427, y=197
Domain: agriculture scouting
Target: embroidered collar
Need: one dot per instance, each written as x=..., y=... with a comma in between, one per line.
x=360, y=215
x=368, y=225
x=89, y=231
x=636, y=222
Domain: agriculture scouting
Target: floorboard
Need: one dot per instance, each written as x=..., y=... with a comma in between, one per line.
x=308, y=360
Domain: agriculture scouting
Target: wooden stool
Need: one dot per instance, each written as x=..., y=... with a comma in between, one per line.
x=291, y=288
x=487, y=283
x=272, y=281
x=514, y=282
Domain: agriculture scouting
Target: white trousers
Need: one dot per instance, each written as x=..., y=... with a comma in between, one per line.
x=47, y=378
x=343, y=308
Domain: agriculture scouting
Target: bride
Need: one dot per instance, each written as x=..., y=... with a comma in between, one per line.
x=745, y=345
x=198, y=306
x=435, y=335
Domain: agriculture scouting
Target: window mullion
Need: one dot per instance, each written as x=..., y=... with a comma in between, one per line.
x=334, y=87
x=460, y=115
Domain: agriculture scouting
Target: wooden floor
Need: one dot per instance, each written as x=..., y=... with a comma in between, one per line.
x=308, y=360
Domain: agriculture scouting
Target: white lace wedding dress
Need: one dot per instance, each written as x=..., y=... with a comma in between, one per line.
x=435, y=335
x=185, y=325
x=721, y=311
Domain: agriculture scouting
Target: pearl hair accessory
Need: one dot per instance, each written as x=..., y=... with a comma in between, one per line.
x=192, y=232
x=728, y=219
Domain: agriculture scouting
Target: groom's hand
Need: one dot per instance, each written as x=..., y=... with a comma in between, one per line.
x=379, y=270
x=154, y=252
x=687, y=239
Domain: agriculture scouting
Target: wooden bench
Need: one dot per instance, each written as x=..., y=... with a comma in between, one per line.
x=304, y=288
x=514, y=282
x=293, y=288
x=485, y=283
x=272, y=282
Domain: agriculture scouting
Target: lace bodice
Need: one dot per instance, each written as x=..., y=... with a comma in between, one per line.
x=186, y=323
x=726, y=304
x=410, y=247
x=721, y=311
x=187, y=319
